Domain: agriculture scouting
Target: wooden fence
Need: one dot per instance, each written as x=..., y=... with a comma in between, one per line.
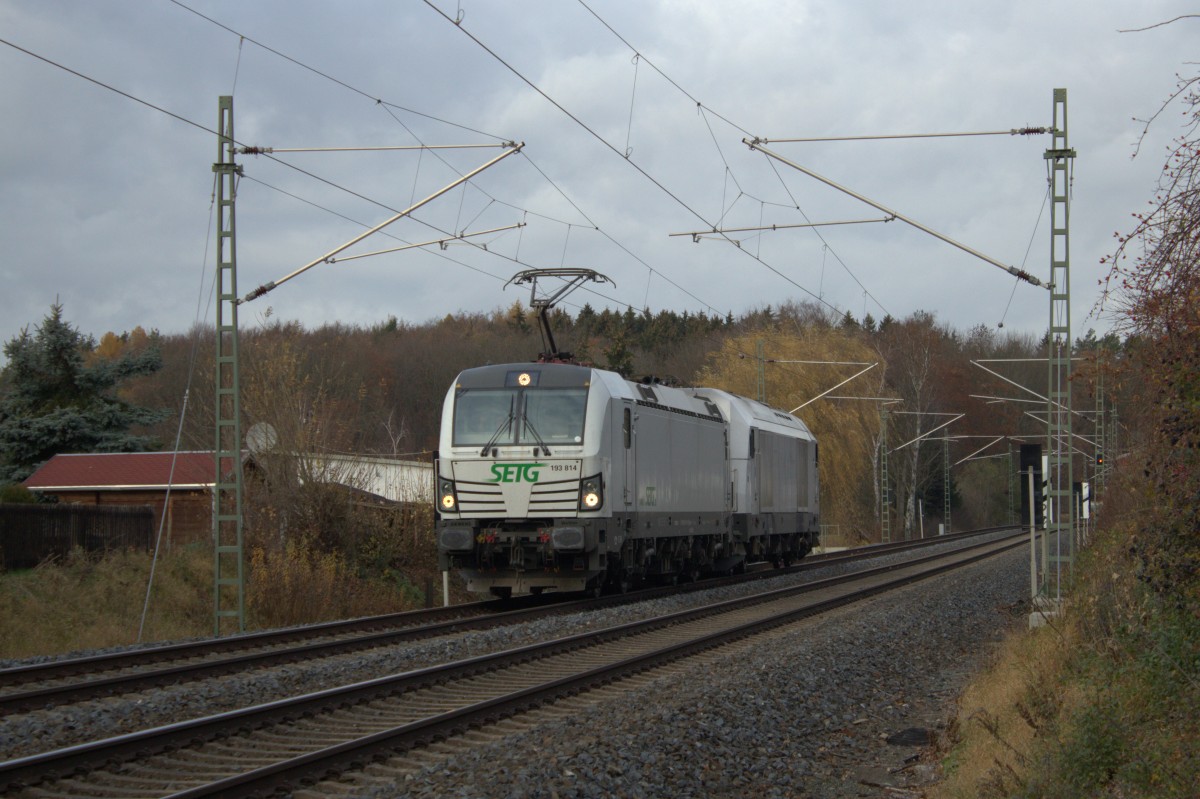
x=31, y=533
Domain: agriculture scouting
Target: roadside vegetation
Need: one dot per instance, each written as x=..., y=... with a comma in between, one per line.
x=87, y=602
x=1102, y=701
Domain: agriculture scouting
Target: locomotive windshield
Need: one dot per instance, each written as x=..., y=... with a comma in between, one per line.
x=503, y=416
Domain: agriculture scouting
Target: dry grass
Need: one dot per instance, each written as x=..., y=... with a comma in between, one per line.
x=88, y=603
x=1101, y=703
x=83, y=602
x=1000, y=713
x=300, y=585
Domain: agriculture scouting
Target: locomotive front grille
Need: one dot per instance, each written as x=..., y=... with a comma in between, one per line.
x=514, y=488
x=542, y=500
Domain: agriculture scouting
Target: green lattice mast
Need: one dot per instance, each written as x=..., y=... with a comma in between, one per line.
x=229, y=579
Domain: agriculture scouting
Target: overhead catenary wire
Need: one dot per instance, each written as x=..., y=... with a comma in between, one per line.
x=704, y=111
x=927, y=433
x=253, y=150
x=441, y=242
x=611, y=147
x=388, y=106
x=325, y=75
x=697, y=234
x=1027, y=131
x=271, y=285
x=436, y=253
x=243, y=38
x=192, y=123
x=1019, y=273
x=825, y=248
x=839, y=385
x=1028, y=249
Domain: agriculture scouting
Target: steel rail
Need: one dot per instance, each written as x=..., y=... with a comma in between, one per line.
x=250, y=650
x=35, y=769
x=313, y=766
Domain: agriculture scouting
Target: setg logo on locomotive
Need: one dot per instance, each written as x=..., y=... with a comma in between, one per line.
x=516, y=472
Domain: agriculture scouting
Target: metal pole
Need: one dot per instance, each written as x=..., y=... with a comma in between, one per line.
x=1012, y=487
x=1033, y=586
x=946, y=481
x=229, y=578
x=885, y=491
x=1060, y=500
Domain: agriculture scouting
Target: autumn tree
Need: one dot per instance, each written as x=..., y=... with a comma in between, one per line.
x=846, y=430
x=912, y=350
x=1154, y=281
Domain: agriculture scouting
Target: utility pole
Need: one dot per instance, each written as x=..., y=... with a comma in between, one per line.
x=946, y=481
x=885, y=488
x=1013, y=467
x=229, y=578
x=1060, y=501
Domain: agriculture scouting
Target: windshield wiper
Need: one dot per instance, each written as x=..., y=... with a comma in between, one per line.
x=505, y=425
x=532, y=429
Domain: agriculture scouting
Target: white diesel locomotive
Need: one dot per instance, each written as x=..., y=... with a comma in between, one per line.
x=555, y=476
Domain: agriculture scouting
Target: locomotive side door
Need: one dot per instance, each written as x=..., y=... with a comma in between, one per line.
x=752, y=474
x=627, y=442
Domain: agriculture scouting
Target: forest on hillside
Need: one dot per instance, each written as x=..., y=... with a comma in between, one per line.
x=379, y=389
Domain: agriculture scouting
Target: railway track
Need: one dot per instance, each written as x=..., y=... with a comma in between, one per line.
x=29, y=687
x=285, y=744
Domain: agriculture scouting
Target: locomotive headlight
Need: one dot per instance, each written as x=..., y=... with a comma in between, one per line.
x=448, y=500
x=591, y=493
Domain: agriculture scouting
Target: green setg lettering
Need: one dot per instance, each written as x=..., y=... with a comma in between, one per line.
x=516, y=472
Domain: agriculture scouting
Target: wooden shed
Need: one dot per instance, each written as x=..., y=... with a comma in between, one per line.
x=138, y=479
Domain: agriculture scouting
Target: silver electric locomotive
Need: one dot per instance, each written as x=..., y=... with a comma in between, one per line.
x=556, y=476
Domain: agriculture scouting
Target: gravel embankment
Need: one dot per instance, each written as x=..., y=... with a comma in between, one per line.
x=800, y=713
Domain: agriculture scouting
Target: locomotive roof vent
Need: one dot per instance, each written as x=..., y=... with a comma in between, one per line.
x=647, y=392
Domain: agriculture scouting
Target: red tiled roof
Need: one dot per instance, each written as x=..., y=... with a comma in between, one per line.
x=123, y=470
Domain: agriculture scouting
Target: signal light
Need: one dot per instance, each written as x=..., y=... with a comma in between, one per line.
x=1099, y=459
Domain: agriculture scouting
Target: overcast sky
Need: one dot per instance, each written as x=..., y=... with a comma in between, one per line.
x=632, y=116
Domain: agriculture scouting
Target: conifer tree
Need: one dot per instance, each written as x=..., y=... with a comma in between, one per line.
x=53, y=400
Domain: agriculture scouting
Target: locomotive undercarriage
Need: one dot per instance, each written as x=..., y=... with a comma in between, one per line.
x=595, y=555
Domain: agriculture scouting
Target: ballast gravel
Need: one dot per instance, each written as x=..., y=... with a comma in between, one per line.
x=804, y=711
